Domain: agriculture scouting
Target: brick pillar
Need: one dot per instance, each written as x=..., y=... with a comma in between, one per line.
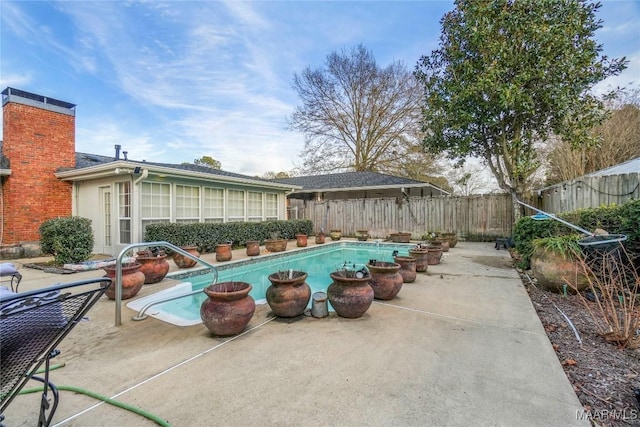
x=38, y=140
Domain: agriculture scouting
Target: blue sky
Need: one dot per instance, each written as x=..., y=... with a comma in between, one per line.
x=173, y=81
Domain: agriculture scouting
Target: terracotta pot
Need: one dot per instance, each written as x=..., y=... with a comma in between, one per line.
x=289, y=294
x=445, y=246
x=362, y=235
x=132, y=280
x=275, y=245
x=183, y=261
x=421, y=254
x=253, y=248
x=551, y=269
x=335, y=234
x=452, y=238
x=320, y=238
x=301, y=240
x=434, y=255
x=154, y=267
x=229, y=308
x=407, y=268
x=350, y=297
x=386, y=279
x=223, y=252
x=400, y=237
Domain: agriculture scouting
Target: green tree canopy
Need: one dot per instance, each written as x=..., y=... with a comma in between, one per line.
x=208, y=161
x=508, y=74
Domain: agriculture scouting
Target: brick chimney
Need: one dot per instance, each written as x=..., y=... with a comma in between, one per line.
x=38, y=139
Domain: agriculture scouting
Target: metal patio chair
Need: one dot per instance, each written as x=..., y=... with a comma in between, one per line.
x=32, y=325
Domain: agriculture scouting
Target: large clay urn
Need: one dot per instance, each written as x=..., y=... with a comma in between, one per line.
x=350, y=297
x=452, y=238
x=420, y=253
x=386, y=279
x=275, y=245
x=132, y=280
x=407, y=268
x=154, y=266
x=320, y=238
x=335, y=234
x=228, y=308
x=301, y=240
x=253, y=248
x=223, y=252
x=434, y=254
x=289, y=294
x=553, y=270
x=184, y=261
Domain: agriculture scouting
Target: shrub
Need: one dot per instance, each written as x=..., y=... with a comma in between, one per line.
x=207, y=235
x=68, y=239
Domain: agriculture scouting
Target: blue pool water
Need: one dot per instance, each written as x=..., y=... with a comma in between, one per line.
x=318, y=262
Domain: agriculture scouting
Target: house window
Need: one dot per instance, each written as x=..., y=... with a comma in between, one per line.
x=213, y=204
x=187, y=203
x=254, y=206
x=124, y=211
x=156, y=203
x=271, y=206
x=235, y=204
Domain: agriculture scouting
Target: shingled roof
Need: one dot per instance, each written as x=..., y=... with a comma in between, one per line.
x=352, y=181
x=85, y=160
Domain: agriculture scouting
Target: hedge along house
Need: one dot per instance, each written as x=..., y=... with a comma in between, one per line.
x=44, y=177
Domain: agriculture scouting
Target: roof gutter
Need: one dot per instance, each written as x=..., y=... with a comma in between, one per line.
x=119, y=167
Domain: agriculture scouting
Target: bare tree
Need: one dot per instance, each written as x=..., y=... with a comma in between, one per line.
x=619, y=141
x=355, y=115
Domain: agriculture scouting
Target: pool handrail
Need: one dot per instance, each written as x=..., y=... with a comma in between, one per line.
x=118, y=281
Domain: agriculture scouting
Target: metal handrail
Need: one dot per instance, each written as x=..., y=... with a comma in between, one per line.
x=118, y=282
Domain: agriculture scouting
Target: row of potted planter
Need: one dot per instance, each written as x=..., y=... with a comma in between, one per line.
x=229, y=307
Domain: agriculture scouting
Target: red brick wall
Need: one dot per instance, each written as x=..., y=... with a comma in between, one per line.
x=37, y=142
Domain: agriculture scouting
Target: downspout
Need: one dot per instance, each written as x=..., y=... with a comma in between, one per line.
x=143, y=175
x=136, y=225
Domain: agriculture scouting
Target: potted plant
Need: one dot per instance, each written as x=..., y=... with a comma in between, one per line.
x=320, y=237
x=400, y=237
x=223, y=252
x=555, y=261
x=288, y=294
x=301, y=240
x=228, y=308
x=275, y=243
x=183, y=261
x=253, y=247
x=335, y=234
x=362, y=235
x=153, y=264
x=386, y=279
x=132, y=280
x=350, y=294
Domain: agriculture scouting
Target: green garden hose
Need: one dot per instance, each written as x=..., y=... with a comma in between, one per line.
x=106, y=399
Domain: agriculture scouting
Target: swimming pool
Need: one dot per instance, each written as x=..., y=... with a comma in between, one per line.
x=317, y=262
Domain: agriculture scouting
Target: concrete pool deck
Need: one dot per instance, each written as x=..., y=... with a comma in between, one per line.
x=462, y=345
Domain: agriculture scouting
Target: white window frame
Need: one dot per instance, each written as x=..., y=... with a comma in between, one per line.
x=124, y=212
x=211, y=203
x=255, y=206
x=187, y=203
x=271, y=206
x=233, y=214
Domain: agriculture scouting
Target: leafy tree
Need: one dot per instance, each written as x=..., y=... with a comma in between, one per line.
x=508, y=74
x=356, y=115
x=274, y=175
x=208, y=161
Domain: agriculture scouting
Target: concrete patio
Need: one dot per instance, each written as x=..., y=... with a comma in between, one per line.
x=460, y=346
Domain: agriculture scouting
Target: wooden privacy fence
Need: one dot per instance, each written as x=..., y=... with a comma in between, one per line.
x=474, y=217
x=590, y=192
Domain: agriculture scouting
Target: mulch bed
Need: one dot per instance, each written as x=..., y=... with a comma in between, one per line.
x=603, y=376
